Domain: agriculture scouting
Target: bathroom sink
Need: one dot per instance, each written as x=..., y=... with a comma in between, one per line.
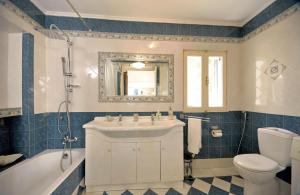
x=144, y=127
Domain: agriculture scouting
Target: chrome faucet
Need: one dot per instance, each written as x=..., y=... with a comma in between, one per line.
x=68, y=139
x=120, y=118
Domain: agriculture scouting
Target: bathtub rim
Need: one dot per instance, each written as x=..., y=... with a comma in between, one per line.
x=59, y=180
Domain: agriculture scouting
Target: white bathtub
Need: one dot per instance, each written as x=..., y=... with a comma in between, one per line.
x=38, y=175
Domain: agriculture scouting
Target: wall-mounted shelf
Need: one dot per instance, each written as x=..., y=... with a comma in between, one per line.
x=7, y=112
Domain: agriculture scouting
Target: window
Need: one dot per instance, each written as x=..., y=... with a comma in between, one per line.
x=204, y=81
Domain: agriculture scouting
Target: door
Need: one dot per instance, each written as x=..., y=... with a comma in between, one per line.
x=123, y=163
x=98, y=160
x=172, y=157
x=148, y=162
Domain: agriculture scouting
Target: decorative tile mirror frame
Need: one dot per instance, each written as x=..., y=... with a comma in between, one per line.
x=104, y=57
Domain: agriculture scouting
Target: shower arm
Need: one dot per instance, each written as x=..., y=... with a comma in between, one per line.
x=78, y=14
x=54, y=27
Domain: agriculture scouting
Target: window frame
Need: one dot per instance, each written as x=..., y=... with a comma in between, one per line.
x=204, y=103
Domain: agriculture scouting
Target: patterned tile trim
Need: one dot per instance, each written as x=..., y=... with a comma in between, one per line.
x=146, y=37
x=284, y=15
x=129, y=36
x=11, y=7
x=7, y=112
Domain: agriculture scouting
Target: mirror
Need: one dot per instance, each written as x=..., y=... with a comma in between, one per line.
x=136, y=77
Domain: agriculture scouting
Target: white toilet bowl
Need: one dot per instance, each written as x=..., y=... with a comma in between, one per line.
x=259, y=174
x=259, y=170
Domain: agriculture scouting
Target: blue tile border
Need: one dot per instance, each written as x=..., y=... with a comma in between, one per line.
x=267, y=14
x=31, y=10
x=112, y=26
x=152, y=28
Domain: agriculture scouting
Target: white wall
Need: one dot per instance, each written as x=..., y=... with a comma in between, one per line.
x=14, y=71
x=10, y=65
x=3, y=69
x=85, y=59
x=261, y=93
x=40, y=78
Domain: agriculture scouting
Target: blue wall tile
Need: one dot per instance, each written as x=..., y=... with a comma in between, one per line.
x=292, y=123
x=271, y=11
x=28, y=132
x=71, y=182
x=4, y=138
x=221, y=147
x=274, y=120
x=22, y=127
x=257, y=120
x=101, y=25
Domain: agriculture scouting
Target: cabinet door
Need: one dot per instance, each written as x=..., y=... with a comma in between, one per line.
x=148, y=162
x=172, y=157
x=123, y=163
x=98, y=161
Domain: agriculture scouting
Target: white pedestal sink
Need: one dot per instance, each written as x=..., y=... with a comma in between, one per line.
x=133, y=155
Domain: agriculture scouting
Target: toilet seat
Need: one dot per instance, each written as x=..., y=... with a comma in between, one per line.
x=256, y=163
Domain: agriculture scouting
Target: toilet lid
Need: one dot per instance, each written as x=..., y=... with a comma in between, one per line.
x=255, y=162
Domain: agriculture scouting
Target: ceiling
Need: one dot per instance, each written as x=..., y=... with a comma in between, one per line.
x=214, y=12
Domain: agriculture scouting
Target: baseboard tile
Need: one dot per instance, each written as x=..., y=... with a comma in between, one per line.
x=212, y=163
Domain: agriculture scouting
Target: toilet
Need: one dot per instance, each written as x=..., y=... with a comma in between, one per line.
x=259, y=170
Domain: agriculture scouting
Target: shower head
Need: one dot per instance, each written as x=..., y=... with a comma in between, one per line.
x=57, y=33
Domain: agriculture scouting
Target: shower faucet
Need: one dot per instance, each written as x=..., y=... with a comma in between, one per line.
x=68, y=139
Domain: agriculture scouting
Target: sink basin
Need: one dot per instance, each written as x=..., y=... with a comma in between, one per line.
x=126, y=128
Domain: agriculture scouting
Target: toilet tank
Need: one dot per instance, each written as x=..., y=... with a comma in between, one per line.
x=275, y=143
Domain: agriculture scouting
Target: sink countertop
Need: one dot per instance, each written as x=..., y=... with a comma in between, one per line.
x=127, y=124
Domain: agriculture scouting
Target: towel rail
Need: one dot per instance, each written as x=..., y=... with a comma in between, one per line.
x=204, y=119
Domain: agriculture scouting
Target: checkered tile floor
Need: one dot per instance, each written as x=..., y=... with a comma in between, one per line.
x=223, y=185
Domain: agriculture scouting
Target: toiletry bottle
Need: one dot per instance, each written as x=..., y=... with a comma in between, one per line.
x=170, y=114
x=158, y=115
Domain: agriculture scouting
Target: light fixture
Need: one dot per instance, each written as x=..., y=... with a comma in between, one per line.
x=138, y=65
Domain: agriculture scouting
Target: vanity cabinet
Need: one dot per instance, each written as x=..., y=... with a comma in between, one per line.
x=172, y=157
x=98, y=160
x=117, y=163
x=124, y=161
x=148, y=162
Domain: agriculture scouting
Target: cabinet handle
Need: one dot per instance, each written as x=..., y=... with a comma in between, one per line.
x=108, y=150
x=139, y=149
x=133, y=149
x=163, y=148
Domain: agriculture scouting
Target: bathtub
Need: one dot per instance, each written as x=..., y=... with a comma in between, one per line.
x=41, y=174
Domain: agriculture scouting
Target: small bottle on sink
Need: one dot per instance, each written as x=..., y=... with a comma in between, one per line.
x=170, y=114
x=158, y=115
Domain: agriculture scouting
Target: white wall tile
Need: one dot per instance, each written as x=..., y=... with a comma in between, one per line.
x=260, y=92
x=85, y=58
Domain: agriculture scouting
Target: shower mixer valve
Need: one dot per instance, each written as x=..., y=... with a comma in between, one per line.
x=68, y=139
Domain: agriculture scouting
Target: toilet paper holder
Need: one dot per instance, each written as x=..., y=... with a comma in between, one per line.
x=216, y=132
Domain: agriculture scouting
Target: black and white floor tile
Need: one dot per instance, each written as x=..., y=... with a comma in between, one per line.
x=222, y=185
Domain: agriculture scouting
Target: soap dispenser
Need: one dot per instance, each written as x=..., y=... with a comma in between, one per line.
x=170, y=114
